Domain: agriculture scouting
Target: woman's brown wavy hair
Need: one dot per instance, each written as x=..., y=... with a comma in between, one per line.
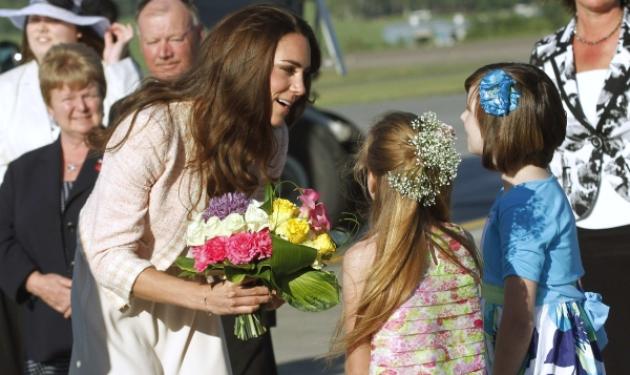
x=401, y=227
x=228, y=88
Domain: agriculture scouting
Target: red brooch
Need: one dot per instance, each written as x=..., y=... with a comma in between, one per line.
x=97, y=166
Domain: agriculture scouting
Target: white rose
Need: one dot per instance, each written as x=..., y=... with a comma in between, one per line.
x=233, y=223
x=256, y=218
x=195, y=233
x=213, y=227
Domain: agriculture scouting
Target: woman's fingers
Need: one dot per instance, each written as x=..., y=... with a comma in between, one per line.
x=56, y=292
x=274, y=303
x=229, y=298
x=117, y=38
x=66, y=282
x=123, y=32
x=253, y=291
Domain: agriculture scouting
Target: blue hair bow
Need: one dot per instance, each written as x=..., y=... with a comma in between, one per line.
x=497, y=93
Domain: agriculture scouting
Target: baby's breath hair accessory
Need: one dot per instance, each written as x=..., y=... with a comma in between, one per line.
x=498, y=93
x=436, y=161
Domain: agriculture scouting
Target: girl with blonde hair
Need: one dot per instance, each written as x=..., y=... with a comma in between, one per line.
x=410, y=288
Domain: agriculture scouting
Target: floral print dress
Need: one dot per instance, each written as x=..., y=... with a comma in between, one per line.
x=438, y=330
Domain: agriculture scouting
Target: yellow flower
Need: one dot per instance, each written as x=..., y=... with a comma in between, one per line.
x=324, y=245
x=282, y=210
x=293, y=230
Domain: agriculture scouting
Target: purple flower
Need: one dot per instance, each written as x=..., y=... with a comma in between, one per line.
x=226, y=204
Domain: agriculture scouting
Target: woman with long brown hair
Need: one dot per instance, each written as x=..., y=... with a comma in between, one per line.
x=179, y=143
x=411, y=287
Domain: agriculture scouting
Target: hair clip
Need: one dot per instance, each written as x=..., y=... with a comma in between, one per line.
x=498, y=94
x=436, y=163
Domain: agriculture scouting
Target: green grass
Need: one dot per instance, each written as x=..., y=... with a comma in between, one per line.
x=360, y=35
x=375, y=84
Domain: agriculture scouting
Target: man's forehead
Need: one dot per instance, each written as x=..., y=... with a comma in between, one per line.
x=162, y=14
x=157, y=24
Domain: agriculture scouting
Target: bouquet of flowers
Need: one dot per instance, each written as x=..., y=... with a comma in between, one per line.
x=277, y=242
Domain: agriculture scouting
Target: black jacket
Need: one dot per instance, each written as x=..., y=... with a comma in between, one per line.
x=35, y=235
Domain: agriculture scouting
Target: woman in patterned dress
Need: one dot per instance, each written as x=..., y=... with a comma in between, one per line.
x=537, y=319
x=589, y=62
x=410, y=288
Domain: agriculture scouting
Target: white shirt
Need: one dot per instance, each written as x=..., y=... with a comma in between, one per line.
x=610, y=209
x=24, y=121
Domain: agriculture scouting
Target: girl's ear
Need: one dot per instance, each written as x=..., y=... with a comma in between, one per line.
x=371, y=184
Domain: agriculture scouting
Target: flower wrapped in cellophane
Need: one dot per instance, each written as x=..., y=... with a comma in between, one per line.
x=279, y=243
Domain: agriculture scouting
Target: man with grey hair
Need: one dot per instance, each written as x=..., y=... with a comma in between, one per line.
x=170, y=34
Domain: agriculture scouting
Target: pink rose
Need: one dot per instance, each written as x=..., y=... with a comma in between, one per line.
x=212, y=252
x=319, y=218
x=262, y=244
x=239, y=248
x=201, y=258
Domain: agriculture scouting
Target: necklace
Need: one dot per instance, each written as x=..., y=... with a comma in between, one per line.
x=71, y=167
x=595, y=42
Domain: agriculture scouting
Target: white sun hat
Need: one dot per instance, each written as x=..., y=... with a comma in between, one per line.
x=43, y=8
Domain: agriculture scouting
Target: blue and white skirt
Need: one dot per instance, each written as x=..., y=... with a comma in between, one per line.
x=563, y=342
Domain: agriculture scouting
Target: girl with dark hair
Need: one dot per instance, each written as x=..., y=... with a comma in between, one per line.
x=411, y=287
x=219, y=128
x=537, y=319
x=589, y=62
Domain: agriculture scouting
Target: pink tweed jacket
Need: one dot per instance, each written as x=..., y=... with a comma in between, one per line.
x=136, y=216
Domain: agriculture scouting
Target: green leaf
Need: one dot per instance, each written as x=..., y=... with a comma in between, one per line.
x=188, y=275
x=245, y=266
x=237, y=275
x=289, y=258
x=270, y=195
x=186, y=264
x=311, y=290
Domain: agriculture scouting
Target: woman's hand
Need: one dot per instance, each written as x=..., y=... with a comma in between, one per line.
x=53, y=289
x=226, y=298
x=276, y=301
x=117, y=39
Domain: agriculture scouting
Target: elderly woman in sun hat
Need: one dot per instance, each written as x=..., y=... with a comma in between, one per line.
x=24, y=122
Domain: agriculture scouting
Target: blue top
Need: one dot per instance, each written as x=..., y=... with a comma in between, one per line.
x=531, y=233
